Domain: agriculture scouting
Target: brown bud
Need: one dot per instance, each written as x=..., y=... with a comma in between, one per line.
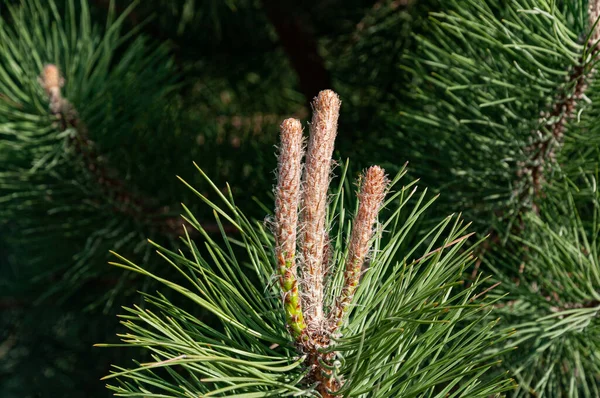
x=287, y=201
x=51, y=79
x=287, y=193
x=371, y=195
x=323, y=130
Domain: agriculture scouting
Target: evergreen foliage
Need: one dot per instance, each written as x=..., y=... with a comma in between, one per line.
x=553, y=302
x=89, y=153
x=504, y=122
x=57, y=190
x=410, y=331
x=77, y=175
x=493, y=103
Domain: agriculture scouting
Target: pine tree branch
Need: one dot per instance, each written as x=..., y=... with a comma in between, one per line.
x=124, y=200
x=542, y=153
x=311, y=325
x=548, y=141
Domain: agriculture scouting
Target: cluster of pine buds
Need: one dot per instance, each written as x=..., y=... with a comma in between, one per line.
x=301, y=201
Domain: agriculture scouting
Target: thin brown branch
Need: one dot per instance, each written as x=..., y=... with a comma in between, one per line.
x=300, y=46
x=115, y=191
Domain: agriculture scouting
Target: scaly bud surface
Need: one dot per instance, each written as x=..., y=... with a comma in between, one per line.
x=287, y=200
x=323, y=130
x=372, y=192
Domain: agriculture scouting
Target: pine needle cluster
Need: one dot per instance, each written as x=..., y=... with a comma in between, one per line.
x=506, y=95
x=393, y=317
